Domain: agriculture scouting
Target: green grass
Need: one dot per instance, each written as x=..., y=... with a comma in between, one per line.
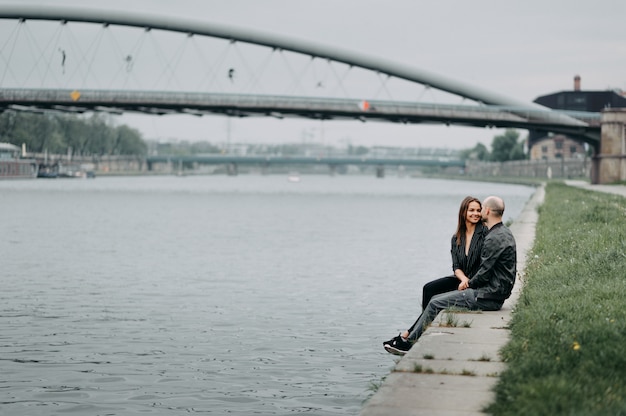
x=567, y=354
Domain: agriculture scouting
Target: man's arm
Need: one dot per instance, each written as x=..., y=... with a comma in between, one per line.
x=489, y=256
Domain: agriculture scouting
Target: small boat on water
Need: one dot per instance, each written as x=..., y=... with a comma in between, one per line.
x=71, y=171
x=12, y=166
x=293, y=177
x=48, y=171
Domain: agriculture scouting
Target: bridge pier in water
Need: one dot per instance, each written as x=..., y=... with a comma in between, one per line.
x=609, y=166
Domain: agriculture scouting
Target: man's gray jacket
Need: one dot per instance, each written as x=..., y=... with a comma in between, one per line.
x=498, y=265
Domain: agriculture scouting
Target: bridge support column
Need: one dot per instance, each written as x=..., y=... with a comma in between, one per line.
x=609, y=165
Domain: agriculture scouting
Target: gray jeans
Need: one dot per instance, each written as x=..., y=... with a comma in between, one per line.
x=466, y=299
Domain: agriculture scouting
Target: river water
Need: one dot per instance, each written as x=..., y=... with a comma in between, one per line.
x=212, y=294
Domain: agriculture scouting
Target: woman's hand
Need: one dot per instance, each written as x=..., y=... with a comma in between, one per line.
x=464, y=283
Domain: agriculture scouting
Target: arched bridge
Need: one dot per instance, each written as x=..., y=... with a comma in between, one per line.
x=232, y=77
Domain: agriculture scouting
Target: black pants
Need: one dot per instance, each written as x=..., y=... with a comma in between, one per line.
x=438, y=286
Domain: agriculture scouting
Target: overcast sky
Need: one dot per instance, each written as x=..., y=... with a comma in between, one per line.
x=519, y=49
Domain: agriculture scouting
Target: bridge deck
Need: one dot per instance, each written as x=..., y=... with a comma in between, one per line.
x=167, y=102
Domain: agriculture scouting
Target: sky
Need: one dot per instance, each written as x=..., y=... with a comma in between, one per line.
x=520, y=50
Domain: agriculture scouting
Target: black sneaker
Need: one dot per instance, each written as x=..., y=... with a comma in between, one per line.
x=397, y=346
x=390, y=341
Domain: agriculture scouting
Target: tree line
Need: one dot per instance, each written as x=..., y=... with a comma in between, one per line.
x=55, y=133
x=504, y=147
x=97, y=135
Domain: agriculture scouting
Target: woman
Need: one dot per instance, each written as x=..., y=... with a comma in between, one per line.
x=466, y=245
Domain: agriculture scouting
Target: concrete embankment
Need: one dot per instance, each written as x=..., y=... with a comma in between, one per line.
x=452, y=370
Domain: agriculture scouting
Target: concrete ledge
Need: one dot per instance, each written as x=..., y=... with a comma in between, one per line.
x=409, y=394
x=452, y=370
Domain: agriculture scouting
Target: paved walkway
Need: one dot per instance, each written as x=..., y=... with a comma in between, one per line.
x=452, y=370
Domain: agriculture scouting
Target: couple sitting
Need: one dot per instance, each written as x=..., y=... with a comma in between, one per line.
x=484, y=261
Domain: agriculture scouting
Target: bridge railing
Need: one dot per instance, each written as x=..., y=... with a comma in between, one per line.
x=276, y=105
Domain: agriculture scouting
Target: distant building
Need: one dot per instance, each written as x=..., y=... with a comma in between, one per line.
x=557, y=147
x=542, y=146
x=577, y=100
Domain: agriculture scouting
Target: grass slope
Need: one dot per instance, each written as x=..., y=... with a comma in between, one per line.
x=567, y=354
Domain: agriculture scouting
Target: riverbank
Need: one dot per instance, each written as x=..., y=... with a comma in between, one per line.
x=454, y=367
x=556, y=362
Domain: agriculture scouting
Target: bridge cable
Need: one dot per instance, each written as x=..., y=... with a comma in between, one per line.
x=320, y=82
x=95, y=45
x=127, y=59
x=176, y=59
x=39, y=56
x=136, y=51
x=206, y=64
x=57, y=46
x=260, y=71
x=295, y=84
x=340, y=79
x=75, y=51
x=310, y=67
x=383, y=86
x=13, y=35
x=253, y=77
x=220, y=60
x=427, y=89
x=76, y=56
x=160, y=54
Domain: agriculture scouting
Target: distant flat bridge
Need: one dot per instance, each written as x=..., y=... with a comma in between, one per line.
x=331, y=161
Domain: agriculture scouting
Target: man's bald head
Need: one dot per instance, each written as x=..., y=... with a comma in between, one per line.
x=495, y=205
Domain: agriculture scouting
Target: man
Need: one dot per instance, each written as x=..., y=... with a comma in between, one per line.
x=486, y=290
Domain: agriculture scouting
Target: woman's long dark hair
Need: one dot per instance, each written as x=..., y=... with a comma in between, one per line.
x=461, y=227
